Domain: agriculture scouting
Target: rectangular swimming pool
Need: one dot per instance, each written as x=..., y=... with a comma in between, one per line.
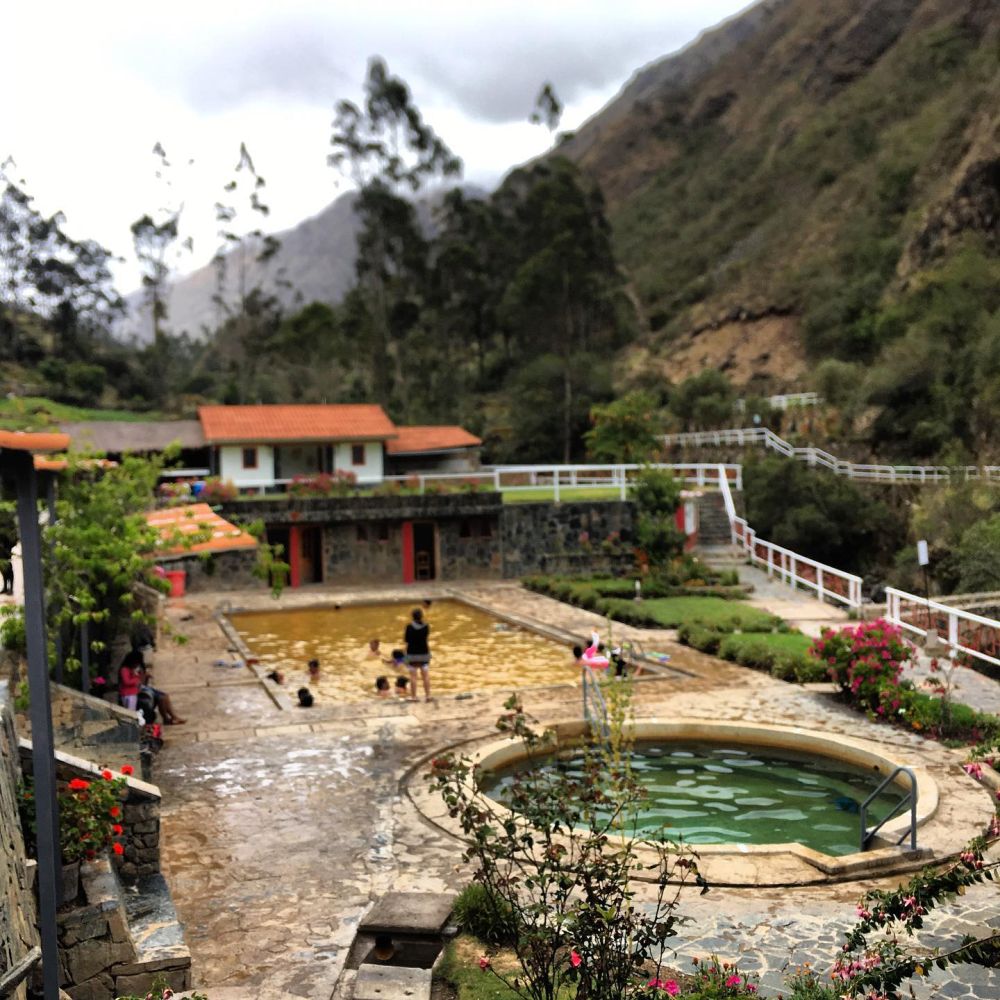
x=471, y=649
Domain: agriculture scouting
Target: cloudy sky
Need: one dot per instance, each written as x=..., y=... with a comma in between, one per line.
x=92, y=87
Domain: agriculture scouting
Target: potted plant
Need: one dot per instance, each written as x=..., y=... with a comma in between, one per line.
x=90, y=814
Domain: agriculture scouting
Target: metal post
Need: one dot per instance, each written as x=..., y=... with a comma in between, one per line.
x=555, y=485
x=50, y=491
x=84, y=658
x=42, y=753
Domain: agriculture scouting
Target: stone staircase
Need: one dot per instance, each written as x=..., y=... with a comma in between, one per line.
x=713, y=521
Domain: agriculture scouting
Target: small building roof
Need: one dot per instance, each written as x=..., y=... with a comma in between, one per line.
x=425, y=440
x=26, y=441
x=187, y=520
x=300, y=422
x=119, y=436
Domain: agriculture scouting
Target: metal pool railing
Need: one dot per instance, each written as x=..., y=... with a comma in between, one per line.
x=910, y=799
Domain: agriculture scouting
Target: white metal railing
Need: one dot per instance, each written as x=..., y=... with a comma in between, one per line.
x=561, y=479
x=798, y=571
x=961, y=631
x=785, y=401
x=749, y=436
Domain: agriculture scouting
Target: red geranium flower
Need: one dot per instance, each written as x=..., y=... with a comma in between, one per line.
x=114, y=812
x=79, y=785
x=117, y=848
x=128, y=769
x=106, y=775
x=484, y=962
x=117, y=829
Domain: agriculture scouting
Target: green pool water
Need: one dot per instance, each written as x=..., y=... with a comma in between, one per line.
x=704, y=793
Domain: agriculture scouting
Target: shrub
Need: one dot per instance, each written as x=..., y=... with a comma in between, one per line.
x=863, y=659
x=218, y=490
x=485, y=916
x=323, y=484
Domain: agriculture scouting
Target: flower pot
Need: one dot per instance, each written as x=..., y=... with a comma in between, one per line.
x=70, y=882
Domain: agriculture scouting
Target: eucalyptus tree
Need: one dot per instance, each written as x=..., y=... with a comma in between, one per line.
x=384, y=146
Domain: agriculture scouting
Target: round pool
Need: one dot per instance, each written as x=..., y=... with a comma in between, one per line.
x=704, y=792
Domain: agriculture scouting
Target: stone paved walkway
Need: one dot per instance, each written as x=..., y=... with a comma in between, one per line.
x=280, y=828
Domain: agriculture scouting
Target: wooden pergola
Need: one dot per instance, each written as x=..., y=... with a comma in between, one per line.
x=17, y=466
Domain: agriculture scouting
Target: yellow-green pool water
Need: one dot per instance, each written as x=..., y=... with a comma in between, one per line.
x=470, y=649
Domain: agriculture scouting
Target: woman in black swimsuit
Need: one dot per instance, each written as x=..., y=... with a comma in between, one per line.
x=418, y=654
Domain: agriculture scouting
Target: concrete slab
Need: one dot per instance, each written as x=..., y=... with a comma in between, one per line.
x=409, y=913
x=386, y=982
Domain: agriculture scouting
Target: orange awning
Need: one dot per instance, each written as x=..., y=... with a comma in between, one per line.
x=27, y=441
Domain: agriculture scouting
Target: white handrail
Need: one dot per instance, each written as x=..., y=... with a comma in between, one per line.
x=743, y=436
x=794, y=569
x=906, y=611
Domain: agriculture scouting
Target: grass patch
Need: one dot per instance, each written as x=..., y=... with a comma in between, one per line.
x=672, y=612
x=547, y=493
x=36, y=412
x=460, y=969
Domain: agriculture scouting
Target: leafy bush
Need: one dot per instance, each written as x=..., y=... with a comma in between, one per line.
x=323, y=484
x=12, y=635
x=864, y=659
x=487, y=917
x=219, y=490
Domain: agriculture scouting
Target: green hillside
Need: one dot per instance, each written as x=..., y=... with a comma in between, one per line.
x=817, y=181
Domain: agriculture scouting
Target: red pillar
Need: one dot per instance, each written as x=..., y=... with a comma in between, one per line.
x=295, y=556
x=408, y=571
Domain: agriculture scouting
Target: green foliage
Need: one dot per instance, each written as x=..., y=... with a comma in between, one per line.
x=90, y=814
x=978, y=556
x=562, y=861
x=160, y=990
x=101, y=546
x=487, y=917
x=705, y=400
x=818, y=514
x=12, y=634
x=625, y=430
x=656, y=495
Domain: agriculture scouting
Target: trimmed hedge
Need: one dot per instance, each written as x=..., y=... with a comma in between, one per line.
x=783, y=654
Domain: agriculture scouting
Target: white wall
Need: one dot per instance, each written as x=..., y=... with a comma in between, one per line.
x=370, y=472
x=231, y=464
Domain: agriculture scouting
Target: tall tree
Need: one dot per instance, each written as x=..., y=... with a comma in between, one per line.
x=386, y=148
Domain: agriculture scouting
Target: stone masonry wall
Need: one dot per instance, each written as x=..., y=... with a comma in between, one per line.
x=218, y=570
x=140, y=813
x=567, y=538
x=18, y=934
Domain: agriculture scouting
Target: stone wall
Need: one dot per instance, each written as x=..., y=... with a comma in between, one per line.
x=140, y=814
x=567, y=538
x=93, y=728
x=18, y=934
x=232, y=570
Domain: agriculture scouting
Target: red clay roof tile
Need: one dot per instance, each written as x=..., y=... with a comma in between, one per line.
x=299, y=422
x=416, y=440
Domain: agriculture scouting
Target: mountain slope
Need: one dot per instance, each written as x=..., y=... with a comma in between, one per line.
x=774, y=186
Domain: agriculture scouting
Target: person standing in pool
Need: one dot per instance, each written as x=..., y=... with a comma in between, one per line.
x=418, y=653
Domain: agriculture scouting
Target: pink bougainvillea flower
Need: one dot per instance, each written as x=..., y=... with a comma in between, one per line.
x=733, y=981
x=671, y=987
x=575, y=959
x=484, y=962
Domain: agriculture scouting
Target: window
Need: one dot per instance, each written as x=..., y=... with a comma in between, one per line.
x=486, y=528
x=357, y=454
x=465, y=528
x=362, y=533
x=249, y=458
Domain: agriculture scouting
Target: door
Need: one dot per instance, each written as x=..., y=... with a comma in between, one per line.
x=311, y=555
x=424, y=550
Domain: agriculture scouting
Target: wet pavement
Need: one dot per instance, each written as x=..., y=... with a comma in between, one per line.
x=280, y=828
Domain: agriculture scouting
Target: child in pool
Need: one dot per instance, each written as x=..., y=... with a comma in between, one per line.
x=402, y=687
x=314, y=671
x=382, y=688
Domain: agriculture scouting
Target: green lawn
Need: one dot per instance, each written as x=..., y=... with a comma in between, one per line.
x=672, y=612
x=38, y=413
x=547, y=493
x=780, y=642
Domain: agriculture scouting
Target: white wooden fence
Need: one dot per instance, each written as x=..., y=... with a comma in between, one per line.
x=961, y=631
x=563, y=480
x=762, y=436
x=830, y=584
